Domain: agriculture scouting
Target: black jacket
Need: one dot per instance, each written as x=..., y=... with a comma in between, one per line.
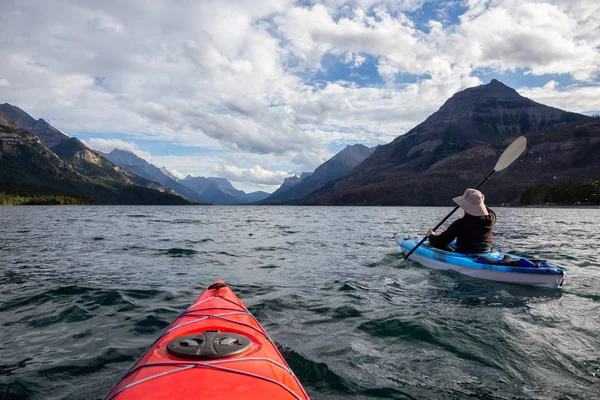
x=472, y=234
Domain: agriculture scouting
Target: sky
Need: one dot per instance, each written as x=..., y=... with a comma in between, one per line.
x=255, y=91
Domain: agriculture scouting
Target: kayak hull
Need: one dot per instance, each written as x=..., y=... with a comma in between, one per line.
x=257, y=371
x=547, y=277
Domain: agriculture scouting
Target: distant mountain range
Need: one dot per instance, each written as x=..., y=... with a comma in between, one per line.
x=67, y=167
x=294, y=189
x=138, y=166
x=453, y=148
x=207, y=190
x=435, y=161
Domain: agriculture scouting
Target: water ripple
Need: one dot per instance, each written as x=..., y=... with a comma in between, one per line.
x=85, y=290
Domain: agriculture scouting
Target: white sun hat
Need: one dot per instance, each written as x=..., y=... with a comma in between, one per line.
x=472, y=202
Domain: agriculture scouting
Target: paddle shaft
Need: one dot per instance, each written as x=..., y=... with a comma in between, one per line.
x=447, y=216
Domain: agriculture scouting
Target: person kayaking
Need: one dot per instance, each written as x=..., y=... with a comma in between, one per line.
x=473, y=232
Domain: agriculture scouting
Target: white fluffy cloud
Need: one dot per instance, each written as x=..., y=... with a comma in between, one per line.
x=504, y=35
x=537, y=36
x=574, y=98
x=237, y=75
x=256, y=174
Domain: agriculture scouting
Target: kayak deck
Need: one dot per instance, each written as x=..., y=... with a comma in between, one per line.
x=216, y=349
x=548, y=276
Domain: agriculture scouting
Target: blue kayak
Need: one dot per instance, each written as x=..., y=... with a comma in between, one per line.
x=483, y=265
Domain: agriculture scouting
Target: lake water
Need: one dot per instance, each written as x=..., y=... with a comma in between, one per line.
x=85, y=290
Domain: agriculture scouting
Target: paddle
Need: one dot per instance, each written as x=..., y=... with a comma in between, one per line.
x=511, y=153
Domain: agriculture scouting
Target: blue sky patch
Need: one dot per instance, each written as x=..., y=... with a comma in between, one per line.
x=154, y=147
x=334, y=68
x=448, y=13
x=518, y=78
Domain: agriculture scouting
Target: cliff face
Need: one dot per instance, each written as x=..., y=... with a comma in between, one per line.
x=90, y=164
x=17, y=144
x=28, y=168
x=487, y=114
x=48, y=135
x=4, y=120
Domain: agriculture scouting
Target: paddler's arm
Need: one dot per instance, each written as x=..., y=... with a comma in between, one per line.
x=444, y=239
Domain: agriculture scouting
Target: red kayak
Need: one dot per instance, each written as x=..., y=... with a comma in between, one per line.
x=215, y=350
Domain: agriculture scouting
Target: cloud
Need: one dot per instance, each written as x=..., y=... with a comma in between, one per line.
x=582, y=99
x=177, y=173
x=108, y=145
x=504, y=35
x=241, y=76
x=540, y=37
x=256, y=174
x=105, y=23
x=247, y=172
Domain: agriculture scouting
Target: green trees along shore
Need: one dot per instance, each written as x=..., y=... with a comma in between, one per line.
x=563, y=193
x=9, y=200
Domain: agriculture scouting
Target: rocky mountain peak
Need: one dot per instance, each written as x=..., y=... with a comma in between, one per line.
x=494, y=89
x=49, y=135
x=224, y=183
x=350, y=155
x=498, y=89
x=18, y=116
x=466, y=102
x=168, y=173
x=126, y=157
x=290, y=180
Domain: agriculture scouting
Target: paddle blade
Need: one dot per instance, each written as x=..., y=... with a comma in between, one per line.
x=511, y=153
x=398, y=263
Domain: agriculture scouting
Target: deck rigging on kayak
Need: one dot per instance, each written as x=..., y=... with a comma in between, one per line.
x=216, y=349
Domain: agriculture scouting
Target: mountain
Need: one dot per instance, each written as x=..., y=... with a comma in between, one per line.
x=168, y=173
x=49, y=135
x=254, y=197
x=395, y=173
x=242, y=196
x=197, y=183
x=225, y=184
x=30, y=169
x=566, y=153
x=138, y=166
x=334, y=168
x=215, y=193
x=209, y=189
x=89, y=163
x=4, y=120
x=220, y=190
x=289, y=182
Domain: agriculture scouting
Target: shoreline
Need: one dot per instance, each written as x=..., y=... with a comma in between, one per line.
x=583, y=207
